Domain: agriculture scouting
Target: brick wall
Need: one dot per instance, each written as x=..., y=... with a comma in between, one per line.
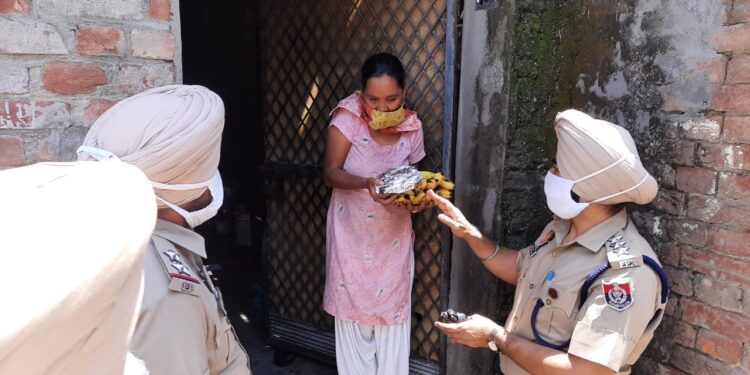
x=707, y=245
x=64, y=62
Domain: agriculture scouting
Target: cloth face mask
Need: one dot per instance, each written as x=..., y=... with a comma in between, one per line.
x=194, y=218
x=559, y=200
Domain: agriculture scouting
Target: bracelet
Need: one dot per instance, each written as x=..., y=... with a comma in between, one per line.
x=494, y=253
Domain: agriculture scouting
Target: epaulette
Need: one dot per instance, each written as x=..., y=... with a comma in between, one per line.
x=181, y=278
x=619, y=255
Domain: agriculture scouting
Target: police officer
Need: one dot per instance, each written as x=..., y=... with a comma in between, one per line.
x=173, y=134
x=589, y=291
x=72, y=237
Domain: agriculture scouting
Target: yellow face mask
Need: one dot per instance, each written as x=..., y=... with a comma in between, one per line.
x=379, y=120
x=382, y=120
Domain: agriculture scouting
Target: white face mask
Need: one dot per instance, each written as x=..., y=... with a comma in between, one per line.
x=558, y=189
x=194, y=218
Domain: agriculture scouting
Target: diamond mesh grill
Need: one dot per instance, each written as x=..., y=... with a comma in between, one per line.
x=311, y=53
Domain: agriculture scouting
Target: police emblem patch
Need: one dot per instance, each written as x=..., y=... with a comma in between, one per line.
x=618, y=296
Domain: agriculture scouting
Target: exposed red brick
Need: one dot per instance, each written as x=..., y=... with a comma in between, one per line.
x=720, y=211
x=716, y=265
x=96, y=107
x=734, y=39
x=732, y=98
x=153, y=44
x=685, y=334
x=724, y=322
x=28, y=114
x=99, y=40
x=43, y=152
x=723, y=156
x=694, y=362
x=738, y=69
x=730, y=242
x=13, y=6
x=696, y=180
x=688, y=232
x=72, y=78
x=11, y=151
x=734, y=186
x=718, y=293
x=737, y=129
x=159, y=9
x=720, y=347
x=740, y=12
x=716, y=69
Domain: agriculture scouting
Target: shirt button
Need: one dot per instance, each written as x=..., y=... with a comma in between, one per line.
x=554, y=254
x=552, y=293
x=531, y=286
x=515, y=318
x=548, y=301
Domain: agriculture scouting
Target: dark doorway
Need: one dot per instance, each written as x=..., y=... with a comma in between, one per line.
x=220, y=52
x=280, y=68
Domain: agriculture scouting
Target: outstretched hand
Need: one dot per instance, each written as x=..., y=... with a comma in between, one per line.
x=453, y=218
x=473, y=332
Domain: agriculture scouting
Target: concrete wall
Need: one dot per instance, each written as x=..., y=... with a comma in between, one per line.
x=677, y=75
x=480, y=151
x=64, y=62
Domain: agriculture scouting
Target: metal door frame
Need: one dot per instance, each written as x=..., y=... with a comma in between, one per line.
x=319, y=344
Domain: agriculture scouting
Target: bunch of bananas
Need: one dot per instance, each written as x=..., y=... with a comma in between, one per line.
x=430, y=181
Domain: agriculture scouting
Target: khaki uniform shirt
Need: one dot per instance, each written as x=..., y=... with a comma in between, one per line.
x=183, y=328
x=599, y=331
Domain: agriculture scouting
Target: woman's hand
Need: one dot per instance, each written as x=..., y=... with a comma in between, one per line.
x=453, y=218
x=473, y=332
x=384, y=199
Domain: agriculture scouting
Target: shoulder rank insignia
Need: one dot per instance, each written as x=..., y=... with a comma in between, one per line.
x=618, y=253
x=541, y=243
x=181, y=280
x=618, y=296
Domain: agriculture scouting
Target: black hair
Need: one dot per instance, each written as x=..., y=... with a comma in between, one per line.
x=383, y=64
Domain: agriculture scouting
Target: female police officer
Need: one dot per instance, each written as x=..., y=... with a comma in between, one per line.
x=590, y=290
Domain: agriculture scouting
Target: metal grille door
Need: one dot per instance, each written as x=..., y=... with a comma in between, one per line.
x=311, y=53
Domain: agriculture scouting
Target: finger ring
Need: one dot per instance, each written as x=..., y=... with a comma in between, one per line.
x=414, y=212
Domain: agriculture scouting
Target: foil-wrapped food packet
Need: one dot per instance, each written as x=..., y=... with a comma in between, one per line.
x=398, y=180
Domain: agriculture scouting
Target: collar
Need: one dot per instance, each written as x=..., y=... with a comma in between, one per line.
x=353, y=104
x=597, y=236
x=184, y=237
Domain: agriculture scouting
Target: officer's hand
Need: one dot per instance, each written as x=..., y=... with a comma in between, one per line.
x=473, y=332
x=453, y=218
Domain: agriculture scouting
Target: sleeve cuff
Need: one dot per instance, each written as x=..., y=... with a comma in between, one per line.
x=602, y=346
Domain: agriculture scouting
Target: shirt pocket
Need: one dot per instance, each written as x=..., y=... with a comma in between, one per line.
x=224, y=341
x=556, y=318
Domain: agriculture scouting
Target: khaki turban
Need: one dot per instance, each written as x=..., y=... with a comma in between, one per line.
x=172, y=133
x=586, y=145
x=73, y=279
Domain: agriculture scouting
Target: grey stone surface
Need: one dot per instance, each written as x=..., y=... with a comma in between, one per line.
x=25, y=36
x=114, y=9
